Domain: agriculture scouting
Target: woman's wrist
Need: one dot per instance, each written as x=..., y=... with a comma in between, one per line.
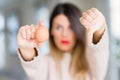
x=28, y=53
x=97, y=35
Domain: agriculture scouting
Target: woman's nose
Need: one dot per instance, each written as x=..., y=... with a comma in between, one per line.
x=65, y=33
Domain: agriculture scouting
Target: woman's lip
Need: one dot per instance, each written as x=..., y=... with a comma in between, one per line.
x=65, y=42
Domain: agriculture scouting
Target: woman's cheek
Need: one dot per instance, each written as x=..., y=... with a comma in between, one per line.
x=73, y=38
x=56, y=36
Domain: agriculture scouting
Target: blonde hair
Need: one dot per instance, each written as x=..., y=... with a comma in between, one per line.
x=78, y=66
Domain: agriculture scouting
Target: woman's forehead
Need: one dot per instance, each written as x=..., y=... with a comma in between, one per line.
x=61, y=20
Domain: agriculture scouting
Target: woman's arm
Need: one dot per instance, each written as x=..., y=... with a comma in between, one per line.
x=37, y=67
x=34, y=64
x=98, y=57
x=97, y=43
x=32, y=53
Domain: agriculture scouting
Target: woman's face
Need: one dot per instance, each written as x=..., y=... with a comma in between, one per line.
x=63, y=35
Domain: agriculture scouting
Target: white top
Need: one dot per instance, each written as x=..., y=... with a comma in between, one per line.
x=43, y=67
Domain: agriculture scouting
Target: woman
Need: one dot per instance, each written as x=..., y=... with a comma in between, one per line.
x=78, y=46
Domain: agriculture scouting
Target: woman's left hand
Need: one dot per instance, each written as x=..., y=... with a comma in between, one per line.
x=93, y=20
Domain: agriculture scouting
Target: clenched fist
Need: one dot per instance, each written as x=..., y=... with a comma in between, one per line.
x=93, y=20
x=29, y=37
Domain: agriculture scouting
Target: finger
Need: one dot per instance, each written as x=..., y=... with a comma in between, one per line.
x=91, y=14
x=40, y=23
x=33, y=30
x=22, y=32
x=87, y=16
x=28, y=32
x=84, y=22
x=96, y=11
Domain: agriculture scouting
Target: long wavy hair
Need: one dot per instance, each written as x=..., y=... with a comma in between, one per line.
x=78, y=65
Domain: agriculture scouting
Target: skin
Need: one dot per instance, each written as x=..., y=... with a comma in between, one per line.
x=61, y=30
x=92, y=20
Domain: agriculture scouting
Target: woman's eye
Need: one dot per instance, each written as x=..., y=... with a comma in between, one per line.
x=58, y=27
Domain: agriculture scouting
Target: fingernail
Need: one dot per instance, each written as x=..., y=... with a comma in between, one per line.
x=42, y=23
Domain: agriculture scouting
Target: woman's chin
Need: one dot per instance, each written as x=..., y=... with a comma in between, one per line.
x=65, y=50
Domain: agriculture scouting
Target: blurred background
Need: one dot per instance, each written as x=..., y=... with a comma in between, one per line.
x=15, y=13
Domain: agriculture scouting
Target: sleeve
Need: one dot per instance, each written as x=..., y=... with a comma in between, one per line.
x=37, y=68
x=98, y=57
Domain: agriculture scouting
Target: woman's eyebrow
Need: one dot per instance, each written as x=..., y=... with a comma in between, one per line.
x=58, y=24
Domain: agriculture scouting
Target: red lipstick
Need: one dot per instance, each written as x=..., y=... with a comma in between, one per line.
x=65, y=42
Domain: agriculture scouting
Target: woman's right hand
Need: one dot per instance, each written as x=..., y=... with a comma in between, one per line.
x=27, y=41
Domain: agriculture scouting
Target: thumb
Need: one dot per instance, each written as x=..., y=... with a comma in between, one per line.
x=40, y=23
